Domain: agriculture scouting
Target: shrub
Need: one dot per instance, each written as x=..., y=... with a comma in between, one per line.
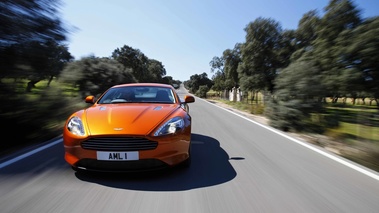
x=202, y=91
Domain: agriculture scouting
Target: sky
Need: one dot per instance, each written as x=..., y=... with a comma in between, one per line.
x=184, y=35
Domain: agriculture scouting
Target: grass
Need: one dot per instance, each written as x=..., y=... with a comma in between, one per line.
x=353, y=131
x=356, y=122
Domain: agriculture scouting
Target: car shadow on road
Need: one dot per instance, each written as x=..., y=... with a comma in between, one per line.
x=210, y=166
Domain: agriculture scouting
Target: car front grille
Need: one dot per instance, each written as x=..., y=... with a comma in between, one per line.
x=119, y=144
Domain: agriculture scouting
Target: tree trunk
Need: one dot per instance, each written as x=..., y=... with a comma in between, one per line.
x=50, y=80
x=31, y=84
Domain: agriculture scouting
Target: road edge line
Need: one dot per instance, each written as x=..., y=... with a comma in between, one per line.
x=20, y=157
x=318, y=150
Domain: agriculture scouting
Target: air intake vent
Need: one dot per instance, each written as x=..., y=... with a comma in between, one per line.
x=119, y=144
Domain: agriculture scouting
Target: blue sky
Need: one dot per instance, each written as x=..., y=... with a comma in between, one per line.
x=183, y=35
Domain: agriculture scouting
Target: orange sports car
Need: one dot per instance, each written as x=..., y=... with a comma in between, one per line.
x=131, y=127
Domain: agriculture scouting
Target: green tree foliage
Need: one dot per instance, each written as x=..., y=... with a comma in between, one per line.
x=92, y=75
x=143, y=68
x=156, y=70
x=305, y=34
x=294, y=101
x=287, y=46
x=226, y=69
x=217, y=64
x=307, y=28
x=202, y=91
x=359, y=56
x=218, y=80
x=24, y=21
x=43, y=61
x=171, y=81
x=28, y=26
x=345, y=16
x=135, y=60
x=198, y=80
x=260, y=60
x=232, y=60
x=217, y=67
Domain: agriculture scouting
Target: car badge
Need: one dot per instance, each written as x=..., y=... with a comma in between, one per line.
x=118, y=129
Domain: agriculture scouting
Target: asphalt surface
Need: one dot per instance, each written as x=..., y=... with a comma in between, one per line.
x=237, y=166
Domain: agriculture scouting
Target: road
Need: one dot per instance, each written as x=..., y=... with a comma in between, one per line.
x=238, y=166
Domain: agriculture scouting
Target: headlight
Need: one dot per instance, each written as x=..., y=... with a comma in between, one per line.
x=170, y=127
x=75, y=126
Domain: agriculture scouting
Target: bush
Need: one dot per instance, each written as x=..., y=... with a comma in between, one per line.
x=202, y=91
x=291, y=116
x=36, y=117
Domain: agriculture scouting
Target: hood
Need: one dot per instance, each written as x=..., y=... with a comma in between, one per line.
x=135, y=119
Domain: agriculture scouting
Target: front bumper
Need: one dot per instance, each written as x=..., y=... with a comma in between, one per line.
x=169, y=152
x=120, y=166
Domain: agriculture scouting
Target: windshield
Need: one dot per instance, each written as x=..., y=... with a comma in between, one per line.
x=138, y=94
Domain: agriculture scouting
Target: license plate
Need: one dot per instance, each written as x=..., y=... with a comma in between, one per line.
x=117, y=156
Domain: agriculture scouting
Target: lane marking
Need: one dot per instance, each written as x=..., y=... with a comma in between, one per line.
x=318, y=150
x=11, y=161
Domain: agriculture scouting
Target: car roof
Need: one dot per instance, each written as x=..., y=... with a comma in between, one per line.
x=145, y=84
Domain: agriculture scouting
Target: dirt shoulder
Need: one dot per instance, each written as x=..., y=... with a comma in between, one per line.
x=362, y=153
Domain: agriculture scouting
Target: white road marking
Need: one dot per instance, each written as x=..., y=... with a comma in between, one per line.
x=335, y=158
x=8, y=162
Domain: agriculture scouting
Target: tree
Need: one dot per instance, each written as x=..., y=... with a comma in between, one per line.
x=217, y=64
x=358, y=55
x=198, y=80
x=306, y=34
x=218, y=80
x=31, y=40
x=24, y=21
x=306, y=30
x=217, y=67
x=286, y=47
x=226, y=68
x=345, y=16
x=232, y=59
x=156, y=70
x=93, y=75
x=260, y=61
x=135, y=60
x=45, y=60
x=58, y=58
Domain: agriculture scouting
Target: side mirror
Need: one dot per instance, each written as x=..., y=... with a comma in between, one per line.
x=90, y=99
x=189, y=99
